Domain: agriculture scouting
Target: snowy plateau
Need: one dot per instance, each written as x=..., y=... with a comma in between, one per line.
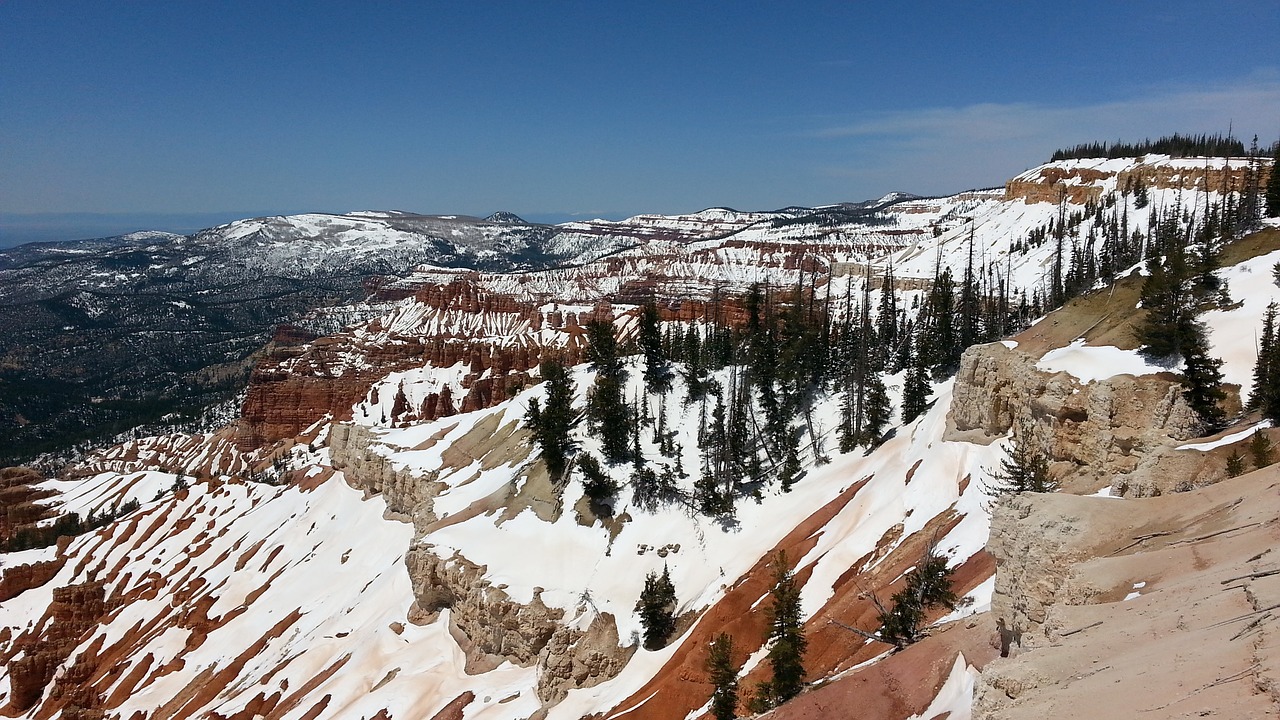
x=371, y=529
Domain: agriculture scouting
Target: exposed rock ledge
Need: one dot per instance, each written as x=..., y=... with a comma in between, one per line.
x=490, y=625
x=1121, y=426
x=1157, y=607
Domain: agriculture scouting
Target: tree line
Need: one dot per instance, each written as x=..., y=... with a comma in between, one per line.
x=1176, y=145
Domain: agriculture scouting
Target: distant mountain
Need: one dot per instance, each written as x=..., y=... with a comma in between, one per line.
x=97, y=336
x=375, y=532
x=506, y=217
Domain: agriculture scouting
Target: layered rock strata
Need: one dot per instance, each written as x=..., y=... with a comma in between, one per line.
x=1106, y=431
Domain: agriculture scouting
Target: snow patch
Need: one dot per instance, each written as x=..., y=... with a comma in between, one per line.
x=1090, y=363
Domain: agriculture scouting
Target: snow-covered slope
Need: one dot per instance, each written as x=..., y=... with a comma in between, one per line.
x=414, y=563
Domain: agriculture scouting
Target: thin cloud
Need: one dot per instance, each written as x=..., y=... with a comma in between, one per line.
x=950, y=148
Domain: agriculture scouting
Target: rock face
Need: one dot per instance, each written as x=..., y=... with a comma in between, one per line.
x=1152, y=607
x=74, y=610
x=499, y=628
x=493, y=626
x=1102, y=429
x=1079, y=183
x=1036, y=539
x=18, y=499
x=447, y=324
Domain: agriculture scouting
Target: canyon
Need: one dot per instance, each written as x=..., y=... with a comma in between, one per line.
x=374, y=532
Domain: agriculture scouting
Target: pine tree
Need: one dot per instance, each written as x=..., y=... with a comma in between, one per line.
x=1251, y=198
x=1140, y=197
x=1169, y=326
x=1235, y=464
x=1260, y=449
x=657, y=606
x=876, y=409
x=1264, y=395
x=970, y=310
x=928, y=586
x=1202, y=384
x=606, y=407
x=787, y=643
x=938, y=339
x=723, y=674
x=657, y=369
x=915, y=390
x=1024, y=469
x=887, y=319
x=1273, y=185
x=597, y=485
x=551, y=424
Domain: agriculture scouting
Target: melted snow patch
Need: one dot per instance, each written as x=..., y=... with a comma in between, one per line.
x=1136, y=588
x=1088, y=363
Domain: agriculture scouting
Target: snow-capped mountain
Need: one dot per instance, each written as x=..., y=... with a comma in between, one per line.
x=377, y=534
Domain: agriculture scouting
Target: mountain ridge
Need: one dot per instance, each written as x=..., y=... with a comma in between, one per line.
x=365, y=537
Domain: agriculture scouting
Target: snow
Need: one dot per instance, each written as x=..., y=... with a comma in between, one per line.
x=955, y=698
x=1090, y=363
x=350, y=588
x=1135, y=594
x=979, y=601
x=1233, y=332
x=1226, y=439
x=332, y=555
x=108, y=490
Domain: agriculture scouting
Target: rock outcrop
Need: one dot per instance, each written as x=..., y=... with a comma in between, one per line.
x=74, y=610
x=18, y=496
x=1098, y=430
x=1152, y=607
x=490, y=625
x=1080, y=183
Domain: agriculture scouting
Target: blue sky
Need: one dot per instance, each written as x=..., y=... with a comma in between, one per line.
x=558, y=109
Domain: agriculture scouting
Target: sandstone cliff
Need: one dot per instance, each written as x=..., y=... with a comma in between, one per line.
x=1157, y=607
x=1105, y=432
x=1081, y=181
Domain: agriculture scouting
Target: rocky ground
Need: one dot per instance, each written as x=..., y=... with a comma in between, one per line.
x=1164, y=607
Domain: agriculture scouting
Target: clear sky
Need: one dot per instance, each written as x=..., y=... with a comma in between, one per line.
x=562, y=108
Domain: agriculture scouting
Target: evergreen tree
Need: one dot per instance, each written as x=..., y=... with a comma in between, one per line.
x=657, y=369
x=1024, y=469
x=1260, y=449
x=1202, y=384
x=1169, y=327
x=1251, y=196
x=787, y=643
x=657, y=607
x=1235, y=464
x=606, y=408
x=915, y=390
x=938, y=339
x=887, y=320
x=1140, y=198
x=711, y=498
x=723, y=674
x=877, y=410
x=928, y=586
x=970, y=309
x=551, y=424
x=1273, y=185
x=598, y=485
x=1265, y=393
